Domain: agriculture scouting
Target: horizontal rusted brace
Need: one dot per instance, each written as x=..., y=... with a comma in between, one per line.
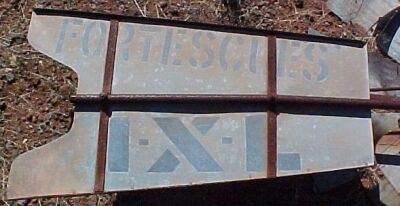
x=385, y=89
x=376, y=101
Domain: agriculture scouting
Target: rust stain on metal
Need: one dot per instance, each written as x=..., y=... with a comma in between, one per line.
x=272, y=115
x=104, y=114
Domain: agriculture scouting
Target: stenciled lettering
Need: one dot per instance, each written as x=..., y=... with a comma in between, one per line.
x=63, y=32
x=130, y=32
x=197, y=46
x=207, y=48
x=148, y=37
x=89, y=29
x=295, y=51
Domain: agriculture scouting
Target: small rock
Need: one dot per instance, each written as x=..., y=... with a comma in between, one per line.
x=36, y=82
x=29, y=116
x=299, y=4
x=21, y=202
x=261, y=3
x=34, y=119
x=233, y=5
x=14, y=2
x=7, y=70
x=54, y=101
x=13, y=60
x=10, y=77
x=174, y=11
x=17, y=39
x=2, y=84
x=3, y=106
x=43, y=3
x=64, y=90
x=163, y=4
x=44, y=109
x=314, y=32
x=58, y=3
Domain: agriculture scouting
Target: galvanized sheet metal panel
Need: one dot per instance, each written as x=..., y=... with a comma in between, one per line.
x=383, y=73
x=319, y=69
x=167, y=149
x=324, y=143
x=364, y=13
x=64, y=166
x=229, y=138
x=155, y=59
x=387, y=194
x=385, y=123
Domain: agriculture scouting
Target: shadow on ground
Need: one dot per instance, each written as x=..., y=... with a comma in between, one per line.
x=334, y=188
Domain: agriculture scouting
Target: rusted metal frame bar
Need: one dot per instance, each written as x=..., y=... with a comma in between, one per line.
x=105, y=113
x=385, y=89
x=200, y=26
x=375, y=102
x=272, y=113
x=132, y=98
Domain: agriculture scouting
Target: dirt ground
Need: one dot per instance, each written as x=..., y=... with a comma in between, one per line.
x=34, y=92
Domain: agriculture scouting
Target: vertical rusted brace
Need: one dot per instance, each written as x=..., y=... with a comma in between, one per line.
x=272, y=114
x=105, y=113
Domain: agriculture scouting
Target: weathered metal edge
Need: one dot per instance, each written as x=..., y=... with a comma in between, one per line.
x=193, y=185
x=200, y=26
x=386, y=30
x=104, y=113
x=272, y=114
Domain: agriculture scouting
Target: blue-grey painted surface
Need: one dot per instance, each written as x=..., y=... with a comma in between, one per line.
x=188, y=144
x=168, y=149
x=227, y=140
x=161, y=59
x=167, y=163
x=118, y=145
x=255, y=143
x=289, y=161
x=203, y=124
x=143, y=142
x=317, y=69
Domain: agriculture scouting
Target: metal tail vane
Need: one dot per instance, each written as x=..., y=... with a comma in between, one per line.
x=165, y=103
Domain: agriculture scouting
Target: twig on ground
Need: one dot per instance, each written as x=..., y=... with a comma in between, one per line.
x=162, y=11
x=40, y=76
x=158, y=13
x=145, y=8
x=138, y=7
